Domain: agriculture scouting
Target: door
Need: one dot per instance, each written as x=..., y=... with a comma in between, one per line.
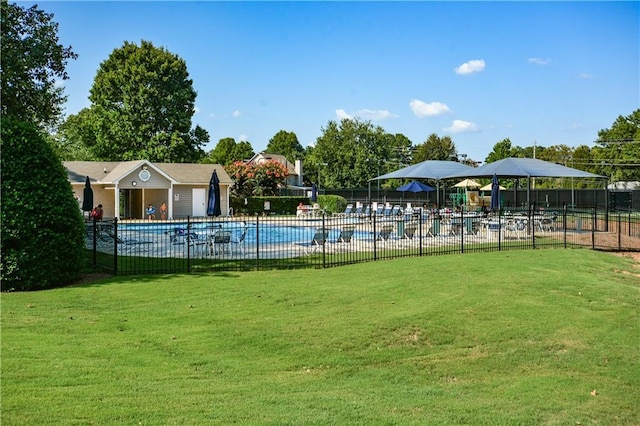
x=199, y=203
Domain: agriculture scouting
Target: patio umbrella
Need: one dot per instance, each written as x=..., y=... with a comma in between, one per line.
x=87, y=196
x=213, y=202
x=314, y=193
x=415, y=186
x=467, y=183
x=495, y=193
x=488, y=187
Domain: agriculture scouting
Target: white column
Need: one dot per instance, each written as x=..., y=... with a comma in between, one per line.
x=170, y=203
x=117, y=198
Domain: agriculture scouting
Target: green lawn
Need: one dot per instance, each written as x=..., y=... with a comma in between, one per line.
x=518, y=337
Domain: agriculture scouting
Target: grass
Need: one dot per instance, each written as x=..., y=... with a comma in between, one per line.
x=519, y=337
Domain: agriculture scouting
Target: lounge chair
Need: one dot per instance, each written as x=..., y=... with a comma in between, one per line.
x=318, y=240
x=345, y=237
x=384, y=233
x=124, y=245
x=347, y=211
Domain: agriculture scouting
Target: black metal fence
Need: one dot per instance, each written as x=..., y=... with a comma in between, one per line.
x=319, y=241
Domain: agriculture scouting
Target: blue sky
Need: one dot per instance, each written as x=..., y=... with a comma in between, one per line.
x=549, y=72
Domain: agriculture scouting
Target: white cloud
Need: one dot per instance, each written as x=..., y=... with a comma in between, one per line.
x=585, y=76
x=58, y=83
x=342, y=114
x=236, y=114
x=539, y=61
x=423, y=109
x=470, y=67
x=196, y=110
x=242, y=138
x=370, y=114
x=461, y=126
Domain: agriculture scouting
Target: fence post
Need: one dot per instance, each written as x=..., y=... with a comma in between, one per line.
x=564, y=224
x=257, y=243
x=462, y=225
x=532, y=224
x=115, y=246
x=619, y=234
x=593, y=229
x=188, y=237
x=375, y=239
x=324, y=244
x=420, y=236
x=94, y=238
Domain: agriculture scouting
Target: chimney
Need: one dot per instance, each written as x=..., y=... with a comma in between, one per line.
x=298, y=168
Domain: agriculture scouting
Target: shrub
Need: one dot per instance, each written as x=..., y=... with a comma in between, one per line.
x=332, y=203
x=42, y=231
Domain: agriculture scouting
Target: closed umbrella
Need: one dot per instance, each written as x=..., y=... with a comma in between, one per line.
x=213, y=202
x=314, y=193
x=87, y=196
x=415, y=186
x=495, y=193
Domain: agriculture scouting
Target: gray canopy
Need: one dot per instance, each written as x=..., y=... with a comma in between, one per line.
x=522, y=168
x=430, y=169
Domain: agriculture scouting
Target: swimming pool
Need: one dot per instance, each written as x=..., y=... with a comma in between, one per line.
x=265, y=233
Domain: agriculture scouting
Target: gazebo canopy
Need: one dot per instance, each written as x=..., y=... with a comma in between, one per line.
x=430, y=169
x=523, y=168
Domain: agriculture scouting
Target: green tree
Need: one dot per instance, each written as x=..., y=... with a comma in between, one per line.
x=42, y=242
x=435, y=148
x=348, y=154
x=286, y=143
x=31, y=60
x=142, y=103
x=227, y=151
x=69, y=141
x=500, y=151
x=617, y=150
x=243, y=151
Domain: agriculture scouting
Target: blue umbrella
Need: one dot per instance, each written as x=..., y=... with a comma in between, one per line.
x=415, y=186
x=314, y=193
x=495, y=193
x=213, y=203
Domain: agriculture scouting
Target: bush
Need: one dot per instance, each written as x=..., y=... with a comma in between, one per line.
x=332, y=203
x=42, y=230
x=278, y=205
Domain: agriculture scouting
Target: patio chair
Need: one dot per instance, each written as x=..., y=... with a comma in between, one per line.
x=319, y=239
x=239, y=240
x=220, y=242
x=181, y=236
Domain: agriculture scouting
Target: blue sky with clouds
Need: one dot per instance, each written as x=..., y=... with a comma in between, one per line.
x=549, y=72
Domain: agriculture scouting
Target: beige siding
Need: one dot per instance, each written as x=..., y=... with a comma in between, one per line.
x=156, y=180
